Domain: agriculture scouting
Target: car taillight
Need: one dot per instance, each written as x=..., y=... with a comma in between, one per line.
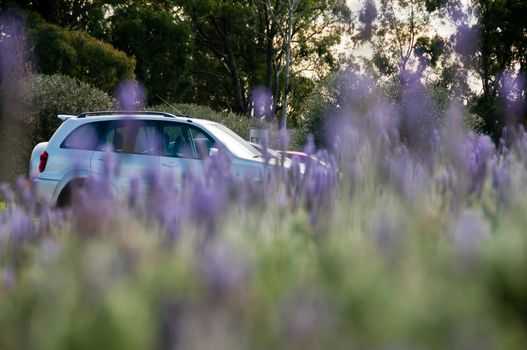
x=43, y=161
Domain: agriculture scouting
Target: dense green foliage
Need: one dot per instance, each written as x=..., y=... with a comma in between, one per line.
x=162, y=48
x=79, y=55
x=500, y=54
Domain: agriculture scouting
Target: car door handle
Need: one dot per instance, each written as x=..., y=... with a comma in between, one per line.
x=170, y=164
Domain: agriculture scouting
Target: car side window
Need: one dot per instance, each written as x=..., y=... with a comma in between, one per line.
x=202, y=142
x=177, y=141
x=132, y=137
x=85, y=137
x=145, y=141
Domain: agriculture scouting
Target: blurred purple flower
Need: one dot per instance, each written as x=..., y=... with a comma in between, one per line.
x=209, y=195
x=480, y=153
x=310, y=148
x=93, y=207
x=26, y=192
x=402, y=172
x=7, y=193
x=130, y=95
x=306, y=317
x=417, y=125
x=283, y=140
x=467, y=232
x=512, y=87
x=261, y=104
x=446, y=179
x=319, y=189
x=501, y=178
x=222, y=268
x=21, y=225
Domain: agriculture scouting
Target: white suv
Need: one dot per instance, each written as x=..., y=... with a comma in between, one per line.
x=142, y=143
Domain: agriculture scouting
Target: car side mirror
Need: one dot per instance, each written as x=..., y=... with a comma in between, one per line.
x=213, y=151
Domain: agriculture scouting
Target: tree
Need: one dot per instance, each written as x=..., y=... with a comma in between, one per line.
x=83, y=15
x=161, y=45
x=399, y=35
x=77, y=54
x=248, y=40
x=499, y=53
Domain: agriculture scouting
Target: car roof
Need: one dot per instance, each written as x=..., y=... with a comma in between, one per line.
x=142, y=115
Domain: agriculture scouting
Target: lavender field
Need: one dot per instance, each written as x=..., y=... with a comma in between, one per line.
x=397, y=239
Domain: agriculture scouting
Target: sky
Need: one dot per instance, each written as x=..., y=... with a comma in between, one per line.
x=438, y=26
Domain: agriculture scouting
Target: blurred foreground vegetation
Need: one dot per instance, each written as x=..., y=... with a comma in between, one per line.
x=380, y=246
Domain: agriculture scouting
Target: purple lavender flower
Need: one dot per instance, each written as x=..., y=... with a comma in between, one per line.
x=319, y=188
x=402, y=172
x=261, y=104
x=93, y=207
x=21, y=225
x=283, y=140
x=26, y=192
x=501, y=179
x=309, y=148
x=130, y=95
x=482, y=149
x=511, y=89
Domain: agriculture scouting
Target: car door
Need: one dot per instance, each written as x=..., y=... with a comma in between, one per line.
x=74, y=158
x=183, y=150
x=132, y=149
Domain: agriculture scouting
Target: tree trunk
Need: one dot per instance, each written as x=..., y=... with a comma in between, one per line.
x=240, y=105
x=269, y=54
x=286, y=68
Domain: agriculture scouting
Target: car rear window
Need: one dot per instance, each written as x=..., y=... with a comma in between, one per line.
x=85, y=137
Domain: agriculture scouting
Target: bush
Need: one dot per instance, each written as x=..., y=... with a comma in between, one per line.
x=77, y=54
x=40, y=99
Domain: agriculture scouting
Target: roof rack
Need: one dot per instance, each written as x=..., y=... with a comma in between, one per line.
x=161, y=114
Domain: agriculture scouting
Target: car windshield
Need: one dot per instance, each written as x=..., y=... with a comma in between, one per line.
x=233, y=142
